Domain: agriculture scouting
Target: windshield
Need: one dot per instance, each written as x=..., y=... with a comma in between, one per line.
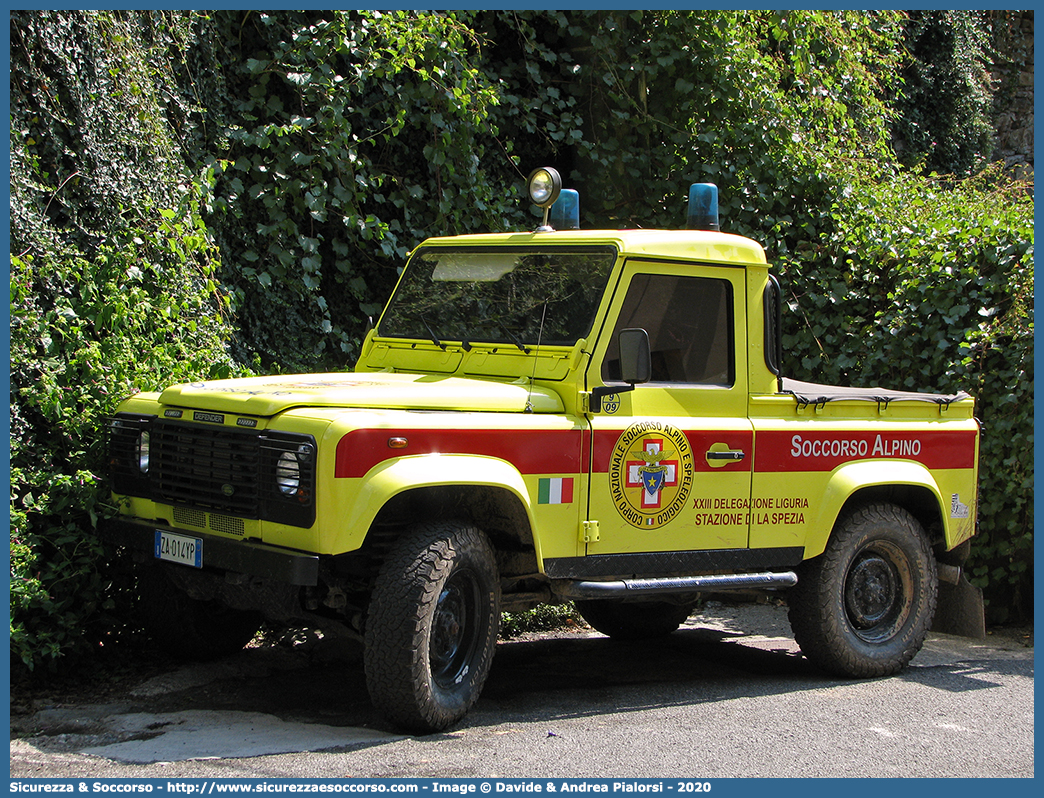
x=521, y=296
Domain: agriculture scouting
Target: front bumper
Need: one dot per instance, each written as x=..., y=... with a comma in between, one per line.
x=239, y=556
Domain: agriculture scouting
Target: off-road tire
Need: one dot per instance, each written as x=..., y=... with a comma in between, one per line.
x=863, y=607
x=634, y=620
x=432, y=625
x=188, y=628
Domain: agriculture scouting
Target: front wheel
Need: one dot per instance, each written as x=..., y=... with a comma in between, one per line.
x=431, y=627
x=863, y=607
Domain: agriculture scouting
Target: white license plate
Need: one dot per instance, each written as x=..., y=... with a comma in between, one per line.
x=179, y=548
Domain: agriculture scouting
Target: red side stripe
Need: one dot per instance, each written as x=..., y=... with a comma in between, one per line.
x=530, y=451
x=566, y=451
x=815, y=450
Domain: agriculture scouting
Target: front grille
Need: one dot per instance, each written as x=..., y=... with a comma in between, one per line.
x=226, y=474
x=209, y=468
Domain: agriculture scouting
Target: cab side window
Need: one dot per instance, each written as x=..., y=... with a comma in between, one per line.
x=689, y=321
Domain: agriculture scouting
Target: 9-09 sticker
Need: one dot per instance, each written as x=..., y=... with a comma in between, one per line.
x=650, y=474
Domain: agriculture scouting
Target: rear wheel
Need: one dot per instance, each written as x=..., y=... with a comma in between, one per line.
x=188, y=628
x=431, y=627
x=864, y=606
x=634, y=620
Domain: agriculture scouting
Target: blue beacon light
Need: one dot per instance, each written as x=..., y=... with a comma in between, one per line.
x=565, y=213
x=703, y=207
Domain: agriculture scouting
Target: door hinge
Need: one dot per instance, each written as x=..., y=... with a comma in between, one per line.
x=589, y=532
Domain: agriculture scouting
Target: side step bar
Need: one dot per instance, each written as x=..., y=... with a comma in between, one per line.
x=584, y=589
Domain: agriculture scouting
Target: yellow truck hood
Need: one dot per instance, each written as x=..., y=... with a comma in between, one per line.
x=267, y=396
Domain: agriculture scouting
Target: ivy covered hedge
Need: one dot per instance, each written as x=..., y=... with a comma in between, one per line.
x=112, y=292
x=198, y=194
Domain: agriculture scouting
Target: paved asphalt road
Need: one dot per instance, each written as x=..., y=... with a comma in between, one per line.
x=727, y=695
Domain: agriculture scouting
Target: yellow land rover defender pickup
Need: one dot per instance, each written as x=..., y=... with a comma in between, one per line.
x=594, y=416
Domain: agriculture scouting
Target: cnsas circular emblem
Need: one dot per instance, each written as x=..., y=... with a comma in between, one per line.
x=650, y=473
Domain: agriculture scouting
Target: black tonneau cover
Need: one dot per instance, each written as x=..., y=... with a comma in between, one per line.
x=809, y=393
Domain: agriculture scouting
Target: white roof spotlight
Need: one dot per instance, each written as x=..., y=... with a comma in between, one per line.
x=543, y=186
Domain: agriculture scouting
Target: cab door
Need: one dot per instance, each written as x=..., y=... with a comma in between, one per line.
x=671, y=460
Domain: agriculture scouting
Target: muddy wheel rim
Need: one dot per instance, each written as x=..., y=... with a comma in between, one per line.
x=877, y=592
x=455, y=630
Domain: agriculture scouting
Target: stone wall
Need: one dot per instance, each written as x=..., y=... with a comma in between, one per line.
x=1012, y=74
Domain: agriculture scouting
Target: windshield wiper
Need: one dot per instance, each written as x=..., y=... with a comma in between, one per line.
x=514, y=338
x=434, y=338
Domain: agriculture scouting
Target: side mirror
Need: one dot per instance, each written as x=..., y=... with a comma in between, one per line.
x=635, y=365
x=635, y=356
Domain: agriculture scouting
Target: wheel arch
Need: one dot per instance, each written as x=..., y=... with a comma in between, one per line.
x=904, y=484
x=487, y=492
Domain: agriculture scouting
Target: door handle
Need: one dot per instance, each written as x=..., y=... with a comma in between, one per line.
x=732, y=455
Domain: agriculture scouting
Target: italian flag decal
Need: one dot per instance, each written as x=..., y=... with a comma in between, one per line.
x=556, y=490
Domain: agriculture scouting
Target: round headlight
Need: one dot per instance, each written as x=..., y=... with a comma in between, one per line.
x=544, y=185
x=288, y=474
x=143, y=452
